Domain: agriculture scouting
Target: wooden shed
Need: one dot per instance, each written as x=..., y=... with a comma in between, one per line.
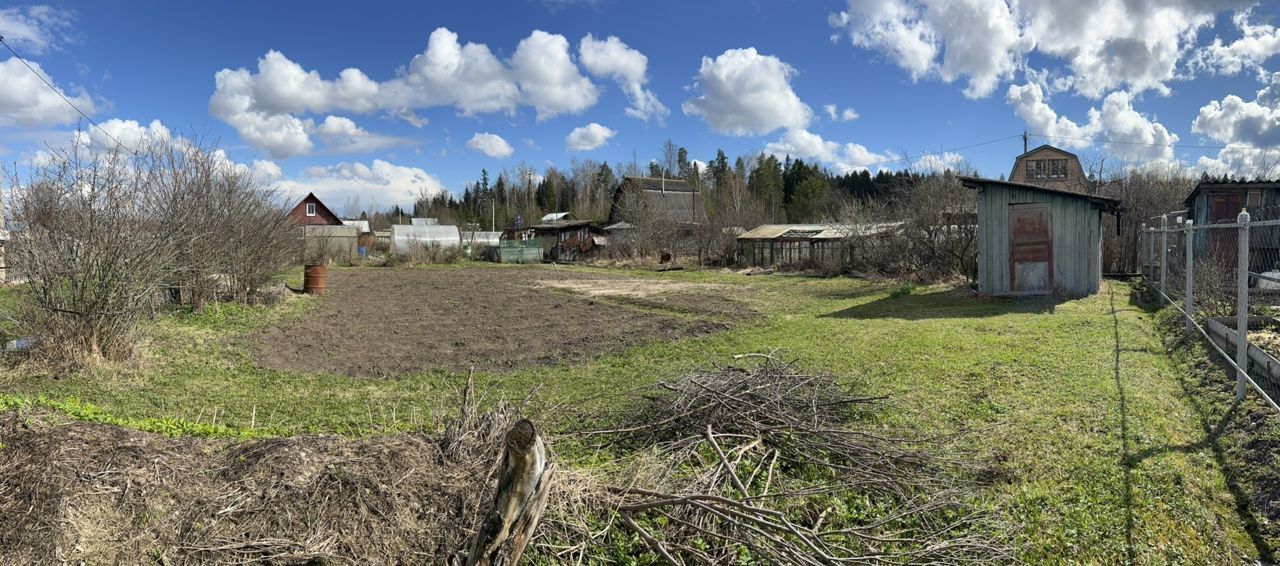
x=1035, y=240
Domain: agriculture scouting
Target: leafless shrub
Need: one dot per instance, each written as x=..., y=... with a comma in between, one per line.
x=231, y=235
x=940, y=227
x=653, y=229
x=1144, y=193
x=90, y=247
x=925, y=232
x=101, y=233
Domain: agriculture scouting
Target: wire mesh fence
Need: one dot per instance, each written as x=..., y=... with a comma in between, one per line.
x=1223, y=274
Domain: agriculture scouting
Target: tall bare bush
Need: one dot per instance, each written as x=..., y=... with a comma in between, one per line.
x=100, y=235
x=231, y=235
x=90, y=247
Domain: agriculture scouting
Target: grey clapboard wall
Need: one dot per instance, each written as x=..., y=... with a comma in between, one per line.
x=1076, y=225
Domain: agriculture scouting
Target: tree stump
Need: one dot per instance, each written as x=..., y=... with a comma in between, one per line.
x=523, y=484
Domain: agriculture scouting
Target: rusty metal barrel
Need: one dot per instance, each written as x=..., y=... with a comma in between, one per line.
x=313, y=279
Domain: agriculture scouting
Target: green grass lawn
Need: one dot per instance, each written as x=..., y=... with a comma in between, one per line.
x=1100, y=452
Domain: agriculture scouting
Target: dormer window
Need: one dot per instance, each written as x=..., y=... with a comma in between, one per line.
x=1047, y=169
x=311, y=209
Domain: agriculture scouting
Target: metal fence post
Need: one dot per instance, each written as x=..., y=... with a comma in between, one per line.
x=1242, y=304
x=1142, y=250
x=1151, y=255
x=1164, y=252
x=1188, y=305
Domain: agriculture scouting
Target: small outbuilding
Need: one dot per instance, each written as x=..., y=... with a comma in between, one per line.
x=774, y=245
x=565, y=240
x=1037, y=240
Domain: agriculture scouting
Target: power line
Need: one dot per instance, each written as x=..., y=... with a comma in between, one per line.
x=63, y=96
x=945, y=151
x=1149, y=144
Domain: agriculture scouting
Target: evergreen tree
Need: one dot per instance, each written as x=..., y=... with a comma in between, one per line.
x=810, y=200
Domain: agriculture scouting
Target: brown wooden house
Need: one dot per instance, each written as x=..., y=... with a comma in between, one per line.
x=1052, y=168
x=676, y=196
x=311, y=212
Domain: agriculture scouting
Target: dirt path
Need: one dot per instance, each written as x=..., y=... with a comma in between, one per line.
x=389, y=322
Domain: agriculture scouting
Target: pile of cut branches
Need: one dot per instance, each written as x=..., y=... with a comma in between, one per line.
x=761, y=462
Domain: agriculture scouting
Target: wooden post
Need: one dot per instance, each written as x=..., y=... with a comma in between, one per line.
x=524, y=481
x=1242, y=304
x=1164, y=252
x=1189, y=285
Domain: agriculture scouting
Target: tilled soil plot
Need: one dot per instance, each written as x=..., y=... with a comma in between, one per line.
x=389, y=322
x=82, y=493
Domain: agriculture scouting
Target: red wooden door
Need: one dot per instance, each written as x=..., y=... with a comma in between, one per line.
x=1223, y=209
x=1030, y=249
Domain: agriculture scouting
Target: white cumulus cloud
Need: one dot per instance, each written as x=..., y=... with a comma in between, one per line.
x=801, y=143
x=1130, y=134
x=1242, y=125
x=612, y=58
x=275, y=107
x=742, y=92
x=380, y=181
x=1107, y=44
x=588, y=137
x=490, y=144
x=1257, y=43
x=837, y=115
x=35, y=29
x=26, y=101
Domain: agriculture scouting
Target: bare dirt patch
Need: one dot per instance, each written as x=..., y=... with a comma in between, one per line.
x=388, y=322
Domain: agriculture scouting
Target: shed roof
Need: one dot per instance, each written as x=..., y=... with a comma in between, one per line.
x=1106, y=203
x=554, y=216
x=661, y=184
x=1228, y=186
x=560, y=224
x=361, y=225
x=817, y=231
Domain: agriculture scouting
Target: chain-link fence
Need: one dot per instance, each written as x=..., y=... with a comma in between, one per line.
x=1223, y=274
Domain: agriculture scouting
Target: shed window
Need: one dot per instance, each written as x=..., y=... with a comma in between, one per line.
x=311, y=209
x=1255, y=198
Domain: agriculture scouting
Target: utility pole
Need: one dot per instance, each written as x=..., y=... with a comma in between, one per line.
x=1024, y=141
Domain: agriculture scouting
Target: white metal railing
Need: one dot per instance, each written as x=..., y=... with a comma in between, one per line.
x=1161, y=257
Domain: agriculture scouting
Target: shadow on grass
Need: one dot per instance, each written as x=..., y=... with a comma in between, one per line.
x=954, y=303
x=1213, y=428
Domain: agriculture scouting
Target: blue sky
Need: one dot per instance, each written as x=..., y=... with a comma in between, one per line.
x=905, y=77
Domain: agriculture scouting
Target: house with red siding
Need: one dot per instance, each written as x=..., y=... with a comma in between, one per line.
x=311, y=212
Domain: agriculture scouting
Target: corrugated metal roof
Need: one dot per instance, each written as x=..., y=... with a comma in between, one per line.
x=817, y=231
x=554, y=216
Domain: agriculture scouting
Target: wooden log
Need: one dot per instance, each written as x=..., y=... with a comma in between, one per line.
x=523, y=484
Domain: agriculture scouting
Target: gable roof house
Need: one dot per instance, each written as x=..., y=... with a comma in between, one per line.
x=311, y=212
x=677, y=196
x=1052, y=168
